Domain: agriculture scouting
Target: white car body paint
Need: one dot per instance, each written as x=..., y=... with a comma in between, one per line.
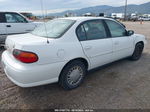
x=53, y=56
x=17, y=27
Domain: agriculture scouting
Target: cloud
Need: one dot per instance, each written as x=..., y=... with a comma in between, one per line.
x=58, y=5
x=107, y=2
x=2, y=0
x=37, y=12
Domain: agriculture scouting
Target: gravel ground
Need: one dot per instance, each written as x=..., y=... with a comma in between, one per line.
x=121, y=85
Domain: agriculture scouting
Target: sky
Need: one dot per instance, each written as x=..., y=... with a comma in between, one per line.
x=53, y=6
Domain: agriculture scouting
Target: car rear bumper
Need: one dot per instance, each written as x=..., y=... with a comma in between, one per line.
x=26, y=75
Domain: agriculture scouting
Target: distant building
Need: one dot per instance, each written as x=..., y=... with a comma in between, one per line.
x=88, y=14
x=117, y=15
x=68, y=14
x=146, y=15
x=134, y=17
x=101, y=14
x=29, y=15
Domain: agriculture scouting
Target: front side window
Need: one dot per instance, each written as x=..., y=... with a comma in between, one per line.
x=14, y=18
x=91, y=30
x=20, y=19
x=54, y=28
x=116, y=29
x=10, y=18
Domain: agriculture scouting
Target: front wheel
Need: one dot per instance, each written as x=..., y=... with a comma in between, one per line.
x=72, y=75
x=137, y=52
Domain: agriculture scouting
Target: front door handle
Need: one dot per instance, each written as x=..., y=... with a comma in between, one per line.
x=8, y=25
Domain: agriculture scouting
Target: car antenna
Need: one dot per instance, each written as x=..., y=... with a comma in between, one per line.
x=42, y=8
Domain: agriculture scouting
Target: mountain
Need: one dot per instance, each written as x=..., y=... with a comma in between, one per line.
x=143, y=9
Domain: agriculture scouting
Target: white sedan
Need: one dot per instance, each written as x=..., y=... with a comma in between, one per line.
x=63, y=50
x=14, y=23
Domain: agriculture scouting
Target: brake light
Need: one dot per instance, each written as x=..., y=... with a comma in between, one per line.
x=24, y=56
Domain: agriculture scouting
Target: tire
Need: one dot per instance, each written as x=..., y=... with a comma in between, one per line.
x=137, y=52
x=72, y=75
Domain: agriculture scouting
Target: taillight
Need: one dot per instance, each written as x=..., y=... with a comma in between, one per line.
x=24, y=56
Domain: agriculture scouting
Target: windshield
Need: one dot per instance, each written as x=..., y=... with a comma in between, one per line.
x=54, y=28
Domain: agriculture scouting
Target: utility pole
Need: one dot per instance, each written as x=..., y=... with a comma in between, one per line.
x=125, y=10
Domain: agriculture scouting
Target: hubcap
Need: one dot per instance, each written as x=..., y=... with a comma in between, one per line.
x=75, y=75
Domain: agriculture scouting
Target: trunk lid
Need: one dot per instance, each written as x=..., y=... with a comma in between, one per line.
x=22, y=40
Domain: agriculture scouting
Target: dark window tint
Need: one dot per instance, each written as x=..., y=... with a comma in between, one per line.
x=2, y=19
x=95, y=30
x=116, y=29
x=81, y=33
x=14, y=18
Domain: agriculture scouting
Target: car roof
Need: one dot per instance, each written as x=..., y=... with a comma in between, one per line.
x=7, y=12
x=85, y=18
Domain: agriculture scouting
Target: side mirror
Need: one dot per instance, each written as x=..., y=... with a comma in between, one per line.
x=130, y=32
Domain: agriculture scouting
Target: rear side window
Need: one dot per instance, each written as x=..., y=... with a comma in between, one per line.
x=115, y=28
x=81, y=33
x=91, y=30
x=95, y=30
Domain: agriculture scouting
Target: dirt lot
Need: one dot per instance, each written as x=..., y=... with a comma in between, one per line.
x=123, y=84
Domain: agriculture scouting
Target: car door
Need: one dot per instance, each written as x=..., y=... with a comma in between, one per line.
x=95, y=42
x=15, y=24
x=2, y=24
x=122, y=44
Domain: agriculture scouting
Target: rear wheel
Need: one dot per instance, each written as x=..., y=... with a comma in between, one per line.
x=137, y=52
x=72, y=75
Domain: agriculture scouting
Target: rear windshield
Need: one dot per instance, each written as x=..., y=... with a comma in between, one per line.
x=54, y=28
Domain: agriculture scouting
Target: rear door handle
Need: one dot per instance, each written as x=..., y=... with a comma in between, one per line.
x=8, y=25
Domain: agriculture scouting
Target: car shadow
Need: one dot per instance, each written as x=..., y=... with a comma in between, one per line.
x=105, y=75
